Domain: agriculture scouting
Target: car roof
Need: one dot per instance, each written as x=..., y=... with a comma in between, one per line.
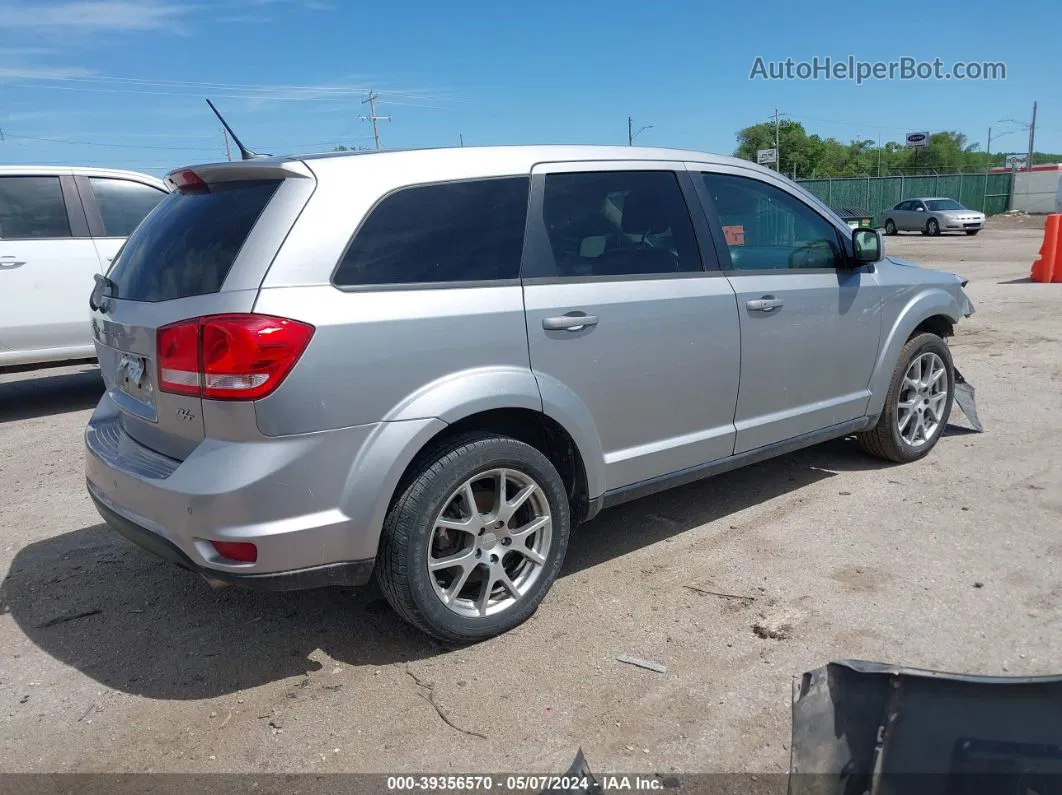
x=514, y=159
x=81, y=171
x=931, y=199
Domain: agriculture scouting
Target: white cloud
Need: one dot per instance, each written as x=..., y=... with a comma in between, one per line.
x=42, y=73
x=313, y=5
x=246, y=19
x=95, y=15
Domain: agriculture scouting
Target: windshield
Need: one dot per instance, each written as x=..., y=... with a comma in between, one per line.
x=943, y=204
x=188, y=243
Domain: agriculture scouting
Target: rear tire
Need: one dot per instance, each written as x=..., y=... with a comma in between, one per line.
x=497, y=580
x=891, y=437
x=890, y=227
x=972, y=232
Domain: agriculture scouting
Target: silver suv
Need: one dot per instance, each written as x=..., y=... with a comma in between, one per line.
x=431, y=365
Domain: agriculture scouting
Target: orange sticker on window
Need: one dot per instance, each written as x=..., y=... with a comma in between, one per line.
x=735, y=235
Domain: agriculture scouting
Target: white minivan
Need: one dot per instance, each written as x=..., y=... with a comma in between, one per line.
x=59, y=227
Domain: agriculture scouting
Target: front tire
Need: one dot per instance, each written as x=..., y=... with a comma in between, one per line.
x=475, y=540
x=917, y=405
x=890, y=227
x=932, y=227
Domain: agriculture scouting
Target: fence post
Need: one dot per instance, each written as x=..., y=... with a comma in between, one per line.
x=960, y=187
x=902, y=194
x=936, y=184
x=866, y=206
x=829, y=193
x=984, y=195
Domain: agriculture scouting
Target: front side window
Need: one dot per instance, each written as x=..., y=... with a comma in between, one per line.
x=615, y=223
x=449, y=232
x=766, y=228
x=123, y=203
x=32, y=208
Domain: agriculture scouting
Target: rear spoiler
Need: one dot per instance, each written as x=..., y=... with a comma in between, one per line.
x=241, y=171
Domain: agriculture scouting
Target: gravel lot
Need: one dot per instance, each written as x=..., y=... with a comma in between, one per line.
x=113, y=661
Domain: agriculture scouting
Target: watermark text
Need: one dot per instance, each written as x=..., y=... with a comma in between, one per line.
x=850, y=68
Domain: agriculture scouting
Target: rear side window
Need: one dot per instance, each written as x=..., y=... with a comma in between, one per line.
x=616, y=223
x=188, y=243
x=123, y=203
x=450, y=232
x=32, y=207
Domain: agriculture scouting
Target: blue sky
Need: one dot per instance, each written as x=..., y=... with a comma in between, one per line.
x=122, y=82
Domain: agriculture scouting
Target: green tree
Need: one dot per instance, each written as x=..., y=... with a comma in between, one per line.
x=812, y=156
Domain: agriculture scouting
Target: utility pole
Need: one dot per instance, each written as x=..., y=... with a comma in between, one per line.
x=1032, y=139
x=461, y=136
x=225, y=136
x=988, y=149
x=371, y=99
x=777, y=153
x=879, y=153
x=632, y=133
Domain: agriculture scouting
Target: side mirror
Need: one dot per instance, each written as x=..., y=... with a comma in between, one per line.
x=866, y=245
x=920, y=209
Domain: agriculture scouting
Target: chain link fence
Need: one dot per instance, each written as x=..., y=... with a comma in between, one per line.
x=989, y=193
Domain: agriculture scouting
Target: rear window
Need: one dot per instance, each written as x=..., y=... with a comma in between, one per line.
x=32, y=208
x=450, y=232
x=188, y=243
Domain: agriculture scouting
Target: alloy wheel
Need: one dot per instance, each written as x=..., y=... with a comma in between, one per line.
x=489, y=543
x=922, y=399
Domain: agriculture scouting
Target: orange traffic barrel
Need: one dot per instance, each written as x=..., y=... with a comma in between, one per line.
x=1048, y=267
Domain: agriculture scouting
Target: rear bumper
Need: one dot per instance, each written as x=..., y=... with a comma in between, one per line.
x=312, y=504
x=357, y=572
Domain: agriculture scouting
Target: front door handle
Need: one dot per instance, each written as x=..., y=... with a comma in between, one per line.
x=9, y=263
x=766, y=304
x=574, y=321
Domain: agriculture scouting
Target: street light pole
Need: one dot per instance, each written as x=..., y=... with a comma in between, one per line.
x=777, y=154
x=1032, y=139
x=632, y=133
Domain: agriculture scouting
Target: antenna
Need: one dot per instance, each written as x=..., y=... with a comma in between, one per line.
x=245, y=153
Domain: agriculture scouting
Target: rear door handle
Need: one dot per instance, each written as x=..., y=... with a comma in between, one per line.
x=766, y=304
x=574, y=321
x=8, y=262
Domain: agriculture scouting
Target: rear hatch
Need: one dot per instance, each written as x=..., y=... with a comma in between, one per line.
x=203, y=251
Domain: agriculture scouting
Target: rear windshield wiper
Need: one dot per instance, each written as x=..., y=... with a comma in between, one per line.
x=105, y=288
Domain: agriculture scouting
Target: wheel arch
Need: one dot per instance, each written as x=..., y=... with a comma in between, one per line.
x=935, y=311
x=508, y=401
x=530, y=426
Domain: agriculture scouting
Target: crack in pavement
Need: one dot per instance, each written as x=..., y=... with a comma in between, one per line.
x=429, y=696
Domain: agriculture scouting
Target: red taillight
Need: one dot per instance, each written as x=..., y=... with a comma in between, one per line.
x=240, y=551
x=177, y=347
x=229, y=357
x=187, y=181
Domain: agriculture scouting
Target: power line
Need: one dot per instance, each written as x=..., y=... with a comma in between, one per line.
x=342, y=89
x=113, y=146
x=261, y=97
